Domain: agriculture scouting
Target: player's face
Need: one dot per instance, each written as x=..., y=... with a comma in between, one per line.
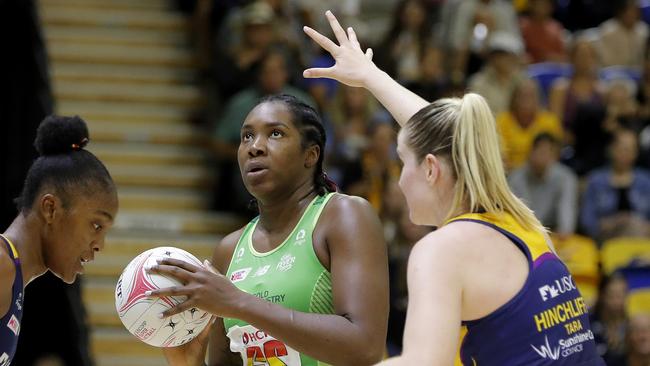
x=414, y=184
x=78, y=233
x=270, y=154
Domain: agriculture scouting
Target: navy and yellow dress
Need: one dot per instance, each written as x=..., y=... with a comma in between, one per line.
x=10, y=322
x=545, y=323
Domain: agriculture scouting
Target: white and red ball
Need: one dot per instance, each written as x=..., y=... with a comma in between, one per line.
x=139, y=313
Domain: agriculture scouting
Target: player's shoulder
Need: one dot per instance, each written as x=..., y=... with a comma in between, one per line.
x=7, y=276
x=225, y=248
x=343, y=204
x=457, y=240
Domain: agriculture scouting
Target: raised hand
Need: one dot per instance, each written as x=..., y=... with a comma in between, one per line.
x=353, y=67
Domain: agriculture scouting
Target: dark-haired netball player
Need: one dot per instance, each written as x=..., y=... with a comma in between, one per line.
x=67, y=204
x=306, y=281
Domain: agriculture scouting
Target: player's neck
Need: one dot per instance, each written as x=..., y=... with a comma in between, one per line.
x=24, y=235
x=276, y=215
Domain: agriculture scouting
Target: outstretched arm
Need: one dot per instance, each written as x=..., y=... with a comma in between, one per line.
x=355, y=68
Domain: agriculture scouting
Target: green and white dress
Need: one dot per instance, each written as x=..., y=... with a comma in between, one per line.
x=290, y=275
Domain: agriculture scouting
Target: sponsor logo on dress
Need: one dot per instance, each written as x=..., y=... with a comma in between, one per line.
x=546, y=351
x=561, y=286
x=285, y=263
x=240, y=274
x=14, y=324
x=564, y=348
x=262, y=271
x=300, y=237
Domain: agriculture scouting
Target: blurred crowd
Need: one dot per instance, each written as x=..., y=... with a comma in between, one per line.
x=568, y=83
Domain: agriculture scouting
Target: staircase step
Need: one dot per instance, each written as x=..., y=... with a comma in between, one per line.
x=152, y=176
x=137, y=240
x=119, y=342
x=120, y=250
x=116, y=36
x=112, y=359
x=143, y=93
x=106, y=131
x=129, y=18
x=150, y=5
x=65, y=51
x=146, y=153
x=135, y=198
x=125, y=113
x=179, y=223
x=127, y=74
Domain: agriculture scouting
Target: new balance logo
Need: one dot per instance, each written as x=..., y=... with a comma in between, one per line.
x=546, y=351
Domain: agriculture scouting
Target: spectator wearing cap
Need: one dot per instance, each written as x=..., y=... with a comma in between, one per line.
x=245, y=46
x=471, y=25
x=549, y=188
x=497, y=80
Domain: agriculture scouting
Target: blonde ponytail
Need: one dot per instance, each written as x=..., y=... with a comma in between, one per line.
x=464, y=130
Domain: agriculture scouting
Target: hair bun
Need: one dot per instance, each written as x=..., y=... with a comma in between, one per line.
x=61, y=135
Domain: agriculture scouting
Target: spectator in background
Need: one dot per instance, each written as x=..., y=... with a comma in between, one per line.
x=622, y=107
x=589, y=149
x=542, y=35
x=577, y=15
x=500, y=75
x=549, y=188
x=236, y=65
x=524, y=120
x=623, y=38
x=406, y=42
x=583, y=88
x=594, y=125
x=352, y=113
x=616, y=200
x=638, y=343
x=433, y=82
x=399, y=249
x=371, y=174
x=272, y=78
x=472, y=26
x=608, y=318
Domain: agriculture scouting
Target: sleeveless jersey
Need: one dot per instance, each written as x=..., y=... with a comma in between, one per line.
x=290, y=275
x=10, y=322
x=545, y=323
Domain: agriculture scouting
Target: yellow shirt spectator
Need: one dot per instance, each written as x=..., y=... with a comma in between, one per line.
x=517, y=140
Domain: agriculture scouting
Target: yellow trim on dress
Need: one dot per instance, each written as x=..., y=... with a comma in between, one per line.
x=535, y=241
x=12, y=246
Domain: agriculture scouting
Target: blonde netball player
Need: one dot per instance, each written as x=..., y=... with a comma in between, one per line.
x=489, y=266
x=307, y=280
x=68, y=203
